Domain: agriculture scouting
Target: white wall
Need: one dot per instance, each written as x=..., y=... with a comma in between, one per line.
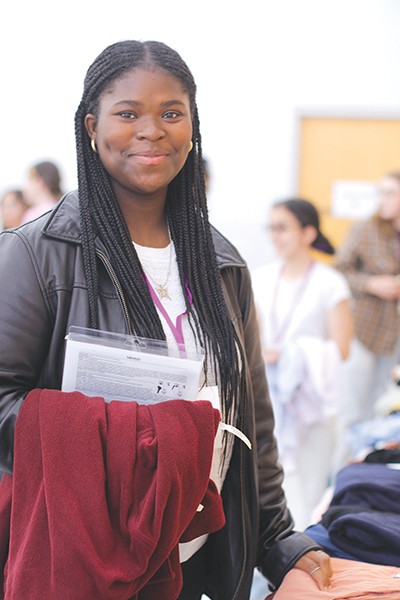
x=256, y=63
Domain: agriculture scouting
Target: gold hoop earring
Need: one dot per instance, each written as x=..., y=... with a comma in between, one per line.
x=190, y=146
x=93, y=144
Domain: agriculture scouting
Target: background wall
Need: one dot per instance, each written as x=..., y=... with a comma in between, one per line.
x=256, y=63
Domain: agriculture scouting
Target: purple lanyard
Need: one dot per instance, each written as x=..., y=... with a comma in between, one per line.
x=176, y=329
x=285, y=325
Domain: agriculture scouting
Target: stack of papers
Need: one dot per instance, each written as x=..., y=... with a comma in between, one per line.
x=123, y=367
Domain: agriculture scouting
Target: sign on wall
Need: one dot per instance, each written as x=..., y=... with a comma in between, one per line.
x=354, y=199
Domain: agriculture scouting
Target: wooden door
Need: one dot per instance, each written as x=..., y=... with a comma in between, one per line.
x=339, y=149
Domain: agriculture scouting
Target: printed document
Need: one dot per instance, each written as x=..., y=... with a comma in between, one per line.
x=123, y=367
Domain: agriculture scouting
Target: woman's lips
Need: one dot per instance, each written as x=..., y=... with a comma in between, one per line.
x=150, y=159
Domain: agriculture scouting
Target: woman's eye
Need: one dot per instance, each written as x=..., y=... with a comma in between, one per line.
x=171, y=114
x=127, y=114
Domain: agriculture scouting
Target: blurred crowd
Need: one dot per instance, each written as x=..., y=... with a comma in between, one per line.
x=330, y=334
x=331, y=345
x=39, y=193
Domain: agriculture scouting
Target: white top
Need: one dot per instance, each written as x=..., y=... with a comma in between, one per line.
x=155, y=262
x=284, y=308
x=293, y=317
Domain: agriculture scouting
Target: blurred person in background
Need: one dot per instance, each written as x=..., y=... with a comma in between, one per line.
x=42, y=189
x=13, y=207
x=207, y=174
x=306, y=329
x=369, y=258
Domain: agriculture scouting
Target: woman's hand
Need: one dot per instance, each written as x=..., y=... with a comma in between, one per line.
x=386, y=287
x=318, y=565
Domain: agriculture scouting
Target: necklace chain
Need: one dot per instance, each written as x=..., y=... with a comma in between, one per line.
x=161, y=288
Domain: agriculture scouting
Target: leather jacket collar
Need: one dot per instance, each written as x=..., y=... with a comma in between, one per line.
x=64, y=224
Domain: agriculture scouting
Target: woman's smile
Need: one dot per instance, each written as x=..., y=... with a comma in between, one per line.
x=149, y=158
x=143, y=131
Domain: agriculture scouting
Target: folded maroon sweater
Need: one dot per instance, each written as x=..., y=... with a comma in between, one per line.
x=102, y=494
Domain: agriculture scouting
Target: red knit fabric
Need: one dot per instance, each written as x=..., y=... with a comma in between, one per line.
x=102, y=494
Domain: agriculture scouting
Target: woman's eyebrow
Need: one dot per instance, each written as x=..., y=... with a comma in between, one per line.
x=137, y=103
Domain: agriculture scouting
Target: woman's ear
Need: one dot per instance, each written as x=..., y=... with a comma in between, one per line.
x=310, y=234
x=90, y=124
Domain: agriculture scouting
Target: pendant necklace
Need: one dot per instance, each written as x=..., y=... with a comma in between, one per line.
x=161, y=288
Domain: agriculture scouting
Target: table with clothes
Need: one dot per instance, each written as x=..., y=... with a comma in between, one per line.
x=362, y=521
x=360, y=526
x=351, y=580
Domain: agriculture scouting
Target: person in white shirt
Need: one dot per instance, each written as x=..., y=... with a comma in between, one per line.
x=306, y=328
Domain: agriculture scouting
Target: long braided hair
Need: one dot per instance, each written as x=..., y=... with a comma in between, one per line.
x=187, y=214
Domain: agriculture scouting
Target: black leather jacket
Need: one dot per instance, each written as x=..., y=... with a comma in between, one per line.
x=43, y=292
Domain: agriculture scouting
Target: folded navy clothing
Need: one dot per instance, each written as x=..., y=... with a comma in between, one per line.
x=320, y=535
x=368, y=485
x=371, y=536
x=383, y=455
x=334, y=512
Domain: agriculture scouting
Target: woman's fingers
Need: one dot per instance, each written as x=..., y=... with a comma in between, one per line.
x=318, y=565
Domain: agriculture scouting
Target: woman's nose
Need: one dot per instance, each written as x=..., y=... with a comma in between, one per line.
x=150, y=128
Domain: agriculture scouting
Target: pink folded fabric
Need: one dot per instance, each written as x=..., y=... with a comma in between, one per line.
x=351, y=580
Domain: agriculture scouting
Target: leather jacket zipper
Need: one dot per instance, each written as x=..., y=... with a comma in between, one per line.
x=118, y=287
x=121, y=296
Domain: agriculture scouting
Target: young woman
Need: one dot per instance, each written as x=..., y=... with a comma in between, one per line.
x=132, y=251
x=306, y=328
x=369, y=259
